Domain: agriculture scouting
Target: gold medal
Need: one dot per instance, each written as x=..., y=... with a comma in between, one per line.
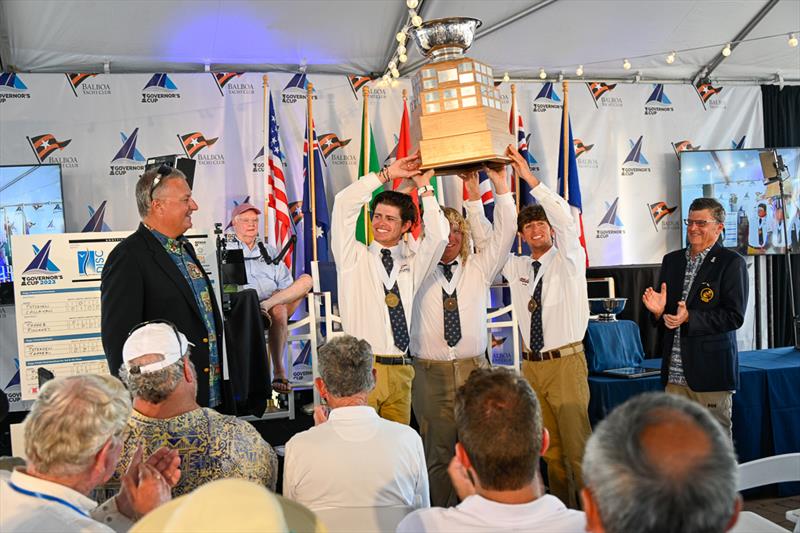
x=392, y=300
x=532, y=305
x=450, y=304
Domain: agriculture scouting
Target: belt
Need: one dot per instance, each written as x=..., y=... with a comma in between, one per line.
x=389, y=360
x=557, y=353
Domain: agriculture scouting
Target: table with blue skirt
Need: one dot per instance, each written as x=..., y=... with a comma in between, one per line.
x=766, y=407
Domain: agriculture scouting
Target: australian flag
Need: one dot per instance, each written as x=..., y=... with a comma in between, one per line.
x=314, y=229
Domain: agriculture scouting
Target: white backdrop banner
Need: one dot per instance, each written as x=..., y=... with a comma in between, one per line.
x=627, y=137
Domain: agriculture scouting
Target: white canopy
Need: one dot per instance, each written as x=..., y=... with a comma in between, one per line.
x=358, y=36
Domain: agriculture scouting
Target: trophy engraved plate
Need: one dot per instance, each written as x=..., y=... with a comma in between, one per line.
x=457, y=120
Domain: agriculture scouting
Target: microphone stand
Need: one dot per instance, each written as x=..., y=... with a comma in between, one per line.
x=779, y=169
x=221, y=250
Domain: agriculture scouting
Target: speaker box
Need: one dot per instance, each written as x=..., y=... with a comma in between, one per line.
x=183, y=164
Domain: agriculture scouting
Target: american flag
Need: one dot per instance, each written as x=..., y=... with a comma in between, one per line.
x=278, y=220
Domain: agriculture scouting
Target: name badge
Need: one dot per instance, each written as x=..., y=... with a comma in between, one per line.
x=706, y=294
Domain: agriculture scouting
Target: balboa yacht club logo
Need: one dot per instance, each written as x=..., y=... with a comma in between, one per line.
x=610, y=224
x=82, y=83
x=635, y=161
x=358, y=82
x=44, y=147
x=546, y=99
x=330, y=143
x=194, y=143
x=659, y=211
x=708, y=95
x=684, y=145
x=601, y=94
x=12, y=87
x=128, y=158
x=227, y=82
x=160, y=86
x=582, y=157
x=41, y=271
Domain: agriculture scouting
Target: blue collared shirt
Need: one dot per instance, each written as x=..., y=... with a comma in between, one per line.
x=263, y=277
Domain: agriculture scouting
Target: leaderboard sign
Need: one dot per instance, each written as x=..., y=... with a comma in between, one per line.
x=57, y=297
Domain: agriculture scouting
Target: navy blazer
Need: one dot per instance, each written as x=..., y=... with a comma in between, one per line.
x=716, y=304
x=141, y=282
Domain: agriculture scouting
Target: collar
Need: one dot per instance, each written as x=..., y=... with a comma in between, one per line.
x=397, y=250
x=50, y=488
x=546, y=257
x=171, y=245
x=699, y=257
x=353, y=412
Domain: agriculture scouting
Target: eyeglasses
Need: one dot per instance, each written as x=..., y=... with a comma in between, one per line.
x=162, y=172
x=699, y=223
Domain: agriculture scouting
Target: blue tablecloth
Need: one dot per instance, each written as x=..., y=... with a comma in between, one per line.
x=766, y=408
x=612, y=345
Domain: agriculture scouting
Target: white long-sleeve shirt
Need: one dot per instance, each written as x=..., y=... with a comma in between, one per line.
x=361, y=290
x=472, y=285
x=565, y=306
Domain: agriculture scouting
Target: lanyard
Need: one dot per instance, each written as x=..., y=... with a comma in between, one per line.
x=49, y=498
x=535, y=280
x=448, y=286
x=391, y=278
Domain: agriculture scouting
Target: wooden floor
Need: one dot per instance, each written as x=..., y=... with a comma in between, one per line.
x=774, y=509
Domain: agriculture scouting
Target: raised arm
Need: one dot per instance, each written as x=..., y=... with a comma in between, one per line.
x=493, y=254
x=437, y=231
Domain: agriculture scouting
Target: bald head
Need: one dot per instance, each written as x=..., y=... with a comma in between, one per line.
x=660, y=463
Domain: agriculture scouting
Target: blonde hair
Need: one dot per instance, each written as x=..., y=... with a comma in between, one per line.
x=72, y=419
x=455, y=218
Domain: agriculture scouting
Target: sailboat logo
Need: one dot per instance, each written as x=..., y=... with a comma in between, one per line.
x=658, y=101
x=635, y=161
x=611, y=218
x=41, y=264
x=128, y=151
x=95, y=222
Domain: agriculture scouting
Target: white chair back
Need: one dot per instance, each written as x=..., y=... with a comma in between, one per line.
x=769, y=470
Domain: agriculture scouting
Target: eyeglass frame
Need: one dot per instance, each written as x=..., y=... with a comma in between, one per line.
x=699, y=223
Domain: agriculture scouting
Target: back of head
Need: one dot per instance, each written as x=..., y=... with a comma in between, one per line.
x=149, y=183
x=499, y=423
x=408, y=212
x=661, y=463
x=153, y=361
x=345, y=365
x=529, y=213
x=72, y=419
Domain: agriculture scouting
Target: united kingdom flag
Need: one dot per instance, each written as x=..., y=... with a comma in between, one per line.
x=278, y=220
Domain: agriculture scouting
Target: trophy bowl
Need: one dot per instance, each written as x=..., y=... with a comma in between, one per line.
x=445, y=38
x=606, y=309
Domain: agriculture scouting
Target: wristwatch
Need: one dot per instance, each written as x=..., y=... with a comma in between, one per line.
x=425, y=188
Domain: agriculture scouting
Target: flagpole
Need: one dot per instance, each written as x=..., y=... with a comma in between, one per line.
x=365, y=154
x=265, y=172
x=311, y=164
x=515, y=133
x=565, y=140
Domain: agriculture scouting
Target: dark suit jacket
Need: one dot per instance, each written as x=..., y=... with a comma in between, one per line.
x=716, y=303
x=141, y=282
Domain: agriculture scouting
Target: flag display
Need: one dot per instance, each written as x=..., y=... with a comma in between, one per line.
x=371, y=164
x=194, y=142
x=44, y=145
x=278, y=221
x=316, y=226
x=569, y=186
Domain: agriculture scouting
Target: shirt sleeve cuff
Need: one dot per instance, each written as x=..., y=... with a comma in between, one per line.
x=505, y=198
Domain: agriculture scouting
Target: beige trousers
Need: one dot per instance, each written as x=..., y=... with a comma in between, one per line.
x=391, y=396
x=720, y=403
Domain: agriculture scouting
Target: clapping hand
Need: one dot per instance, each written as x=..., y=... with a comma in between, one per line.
x=146, y=485
x=681, y=316
x=459, y=476
x=655, y=301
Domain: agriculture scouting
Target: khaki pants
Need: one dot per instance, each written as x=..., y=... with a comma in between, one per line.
x=433, y=397
x=562, y=386
x=391, y=396
x=720, y=403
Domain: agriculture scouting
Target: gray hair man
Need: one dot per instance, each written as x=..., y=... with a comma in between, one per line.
x=73, y=439
x=158, y=371
x=660, y=463
x=352, y=457
x=495, y=471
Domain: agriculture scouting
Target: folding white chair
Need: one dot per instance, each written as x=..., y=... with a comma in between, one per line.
x=363, y=519
x=494, y=321
x=769, y=470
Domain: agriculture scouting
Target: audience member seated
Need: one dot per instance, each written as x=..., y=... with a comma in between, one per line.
x=278, y=294
x=161, y=377
x=353, y=458
x=230, y=505
x=73, y=438
x=660, y=463
x=495, y=470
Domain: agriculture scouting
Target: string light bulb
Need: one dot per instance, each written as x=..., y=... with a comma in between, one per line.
x=579, y=70
x=416, y=20
x=727, y=50
x=671, y=57
x=401, y=49
x=385, y=79
x=626, y=64
x=392, y=65
x=542, y=74
x=506, y=77
x=401, y=37
x=395, y=73
x=792, y=40
x=402, y=58
x=412, y=4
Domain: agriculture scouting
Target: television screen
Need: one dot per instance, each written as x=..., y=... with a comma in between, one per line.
x=30, y=202
x=757, y=220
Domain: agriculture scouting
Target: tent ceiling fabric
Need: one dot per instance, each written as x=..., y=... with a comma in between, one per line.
x=353, y=36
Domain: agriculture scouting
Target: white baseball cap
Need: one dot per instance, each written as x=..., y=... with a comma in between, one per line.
x=155, y=337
